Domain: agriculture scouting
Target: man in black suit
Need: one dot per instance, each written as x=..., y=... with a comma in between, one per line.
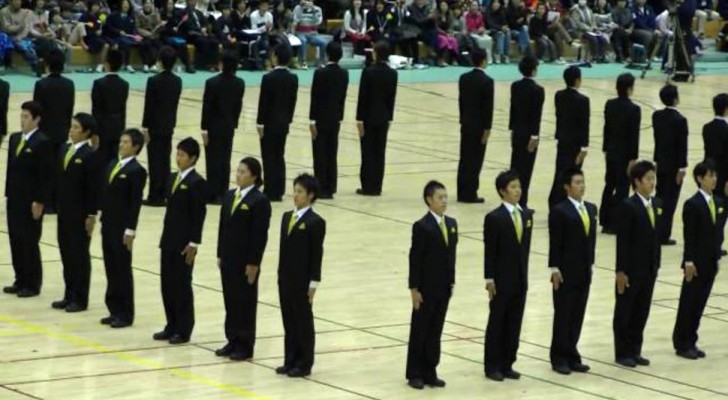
x=621, y=143
x=431, y=279
x=222, y=104
x=161, y=100
x=572, y=241
x=182, y=234
x=27, y=192
x=122, y=200
x=56, y=95
x=4, y=98
x=475, y=100
x=374, y=113
x=507, y=236
x=276, y=104
x=299, y=274
x=572, y=130
x=638, y=259
x=108, y=106
x=241, y=241
x=527, y=99
x=671, y=156
x=715, y=139
x=196, y=28
x=328, y=98
x=704, y=216
x=78, y=189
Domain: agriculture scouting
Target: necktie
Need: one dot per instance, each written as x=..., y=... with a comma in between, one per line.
x=21, y=145
x=443, y=229
x=517, y=224
x=584, y=218
x=651, y=214
x=711, y=204
x=69, y=155
x=115, y=171
x=176, y=182
x=292, y=222
x=236, y=202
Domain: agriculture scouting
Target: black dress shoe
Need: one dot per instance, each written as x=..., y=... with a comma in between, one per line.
x=437, y=382
x=416, y=384
x=225, y=351
x=669, y=242
x=25, y=293
x=178, y=339
x=724, y=252
x=562, y=369
x=494, y=376
x=690, y=354
x=162, y=335
x=700, y=353
x=10, y=289
x=511, y=374
x=75, y=307
x=120, y=323
x=283, y=370
x=239, y=356
x=59, y=305
x=154, y=203
x=627, y=362
x=107, y=320
x=642, y=361
x=296, y=372
x=476, y=200
x=579, y=367
x=362, y=192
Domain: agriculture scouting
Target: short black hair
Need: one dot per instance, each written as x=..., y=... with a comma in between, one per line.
x=668, y=95
x=230, y=62
x=309, y=183
x=137, y=138
x=504, y=179
x=334, y=51
x=191, y=147
x=478, y=56
x=624, y=83
x=114, y=59
x=527, y=66
x=167, y=56
x=263, y=1
x=381, y=49
x=283, y=53
x=430, y=188
x=254, y=167
x=87, y=122
x=571, y=75
x=568, y=175
x=639, y=170
x=33, y=107
x=702, y=169
x=720, y=103
x=55, y=60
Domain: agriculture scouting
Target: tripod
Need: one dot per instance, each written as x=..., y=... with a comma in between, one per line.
x=675, y=47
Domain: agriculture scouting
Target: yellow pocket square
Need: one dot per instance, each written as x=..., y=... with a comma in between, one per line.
x=122, y=176
x=244, y=207
x=302, y=226
x=182, y=186
x=452, y=230
x=529, y=223
x=659, y=211
x=28, y=150
x=78, y=161
x=720, y=210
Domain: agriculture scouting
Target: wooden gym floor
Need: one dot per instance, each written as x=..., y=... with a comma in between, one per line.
x=363, y=307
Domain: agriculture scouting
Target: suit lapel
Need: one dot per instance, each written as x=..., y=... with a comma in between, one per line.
x=436, y=227
x=298, y=223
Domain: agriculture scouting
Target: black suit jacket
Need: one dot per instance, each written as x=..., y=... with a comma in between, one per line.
x=671, y=140
x=527, y=99
x=715, y=139
x=377, y=93
x=78, y=182
x=572, y=118
x=622, y=120
x=506, y=260
x=278, y=96
x=571, y=249
x=638, y=243
x=186, y=211
x=56, y=94
x=328, y=95
x=222, y=103
x=108, y=105
x=475, y=99
x=29, y=174
x=703, y=238
x=243, y=234
x=301, y=252
x=161, y=100
x=431, y=261
x=4, y=98
x=122, y=197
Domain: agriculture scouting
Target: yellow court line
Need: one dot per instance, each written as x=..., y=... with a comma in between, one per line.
x=139, y=361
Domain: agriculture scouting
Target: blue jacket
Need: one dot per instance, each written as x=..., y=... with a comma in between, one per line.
x=644, y=19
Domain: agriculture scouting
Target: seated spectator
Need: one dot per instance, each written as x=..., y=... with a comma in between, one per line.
x=622, y=18
x=645, y=29
x=44, y=38
x=705, y=13
x=517, y=15
x=420, y=18
x=584, y=27
x=466, y=44
x=497, y=23
x=72, y=10
x=603, y=20
x=196, y=30
x=380, y=24
x=355, y=27
x=405, y=34
x=224, y=29
x=557, y=32
x=172, y=35
x=93, y=41
x=121, y=33
x=17, y=22
x=149, y=27
x=307, y=18
x=722, y=9
x=261, y=20
x=722, y=40
x=665, y=27
x=447, y=44
x=538, y=30
x=475, y=26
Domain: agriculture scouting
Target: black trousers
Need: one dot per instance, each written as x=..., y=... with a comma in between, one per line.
x=217, y=161
x=325, y=152
x=373, y=151
x=300, y=336
x=177, y=293
x=423, y=350
x=569, y=308
x=241, y=305
x=565, y=158
x=108, y=150
x=149, y=51
x=620, y=43
x=159, y=151
x=616, y=189
x=630, y=316
x=206, y=51
x=119, y=278
x=25, y=235
x=273, y=148
x=522, y=162
x=410, y=48
x=693, y=298
x=472, y=153
x=74, y=242
x=668, y=191
x=503, y=333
